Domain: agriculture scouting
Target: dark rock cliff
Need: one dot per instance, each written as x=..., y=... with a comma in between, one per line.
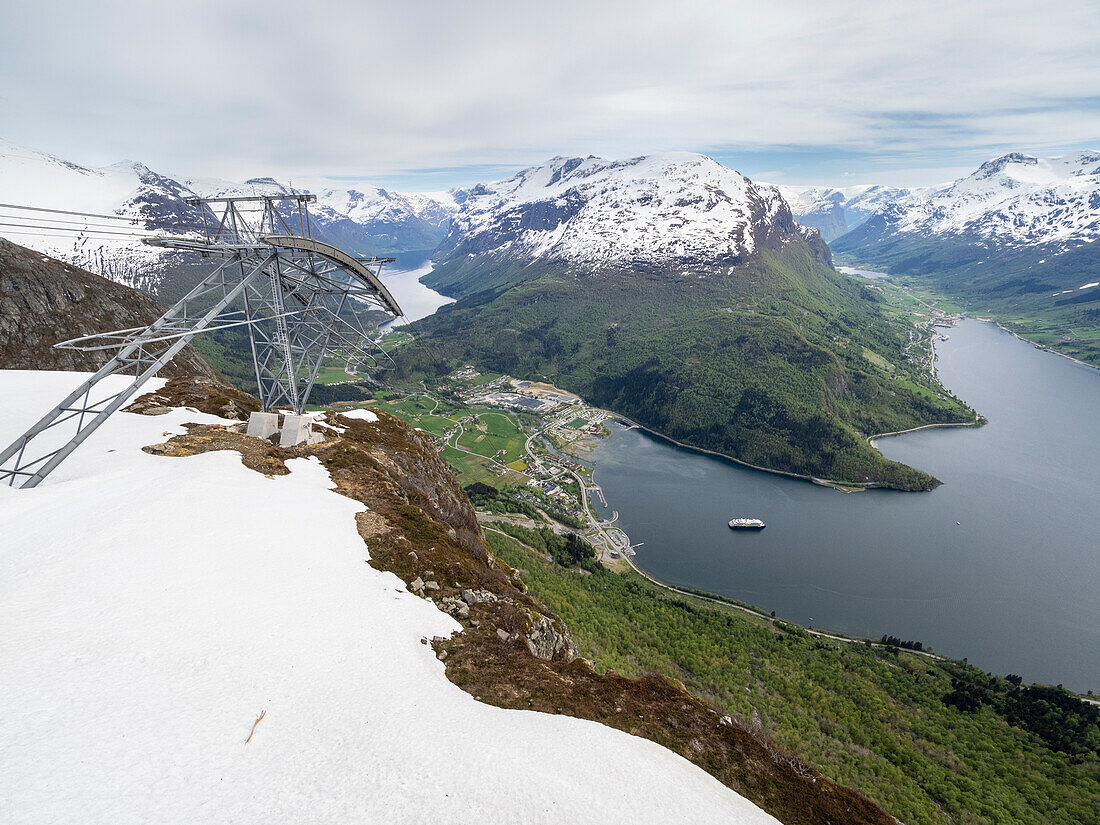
x=44, y=301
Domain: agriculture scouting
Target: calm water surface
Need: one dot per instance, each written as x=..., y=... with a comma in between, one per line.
x=402, y=279
x=1014, y=587
x=863, y=273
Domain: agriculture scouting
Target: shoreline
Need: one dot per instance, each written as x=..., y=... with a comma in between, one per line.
x=1036, y=344
x=759, y=613
x=751, y=610
x=839, y=486
x=716, y=598
x=985, y=320
x=873, y=438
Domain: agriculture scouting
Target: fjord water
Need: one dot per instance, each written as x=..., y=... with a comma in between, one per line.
x=402, y=279
x=1015, y=587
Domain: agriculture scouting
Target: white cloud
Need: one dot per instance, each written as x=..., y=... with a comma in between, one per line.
x=357, y=87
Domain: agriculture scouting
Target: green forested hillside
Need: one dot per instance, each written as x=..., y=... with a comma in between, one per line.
x=767, y=362
x=934, y=742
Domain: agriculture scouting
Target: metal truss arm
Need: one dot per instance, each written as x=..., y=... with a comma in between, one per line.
x=16, y=464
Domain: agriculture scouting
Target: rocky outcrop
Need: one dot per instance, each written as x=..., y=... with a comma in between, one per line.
x=44, y=301
x=546, y=641
x=206, y=395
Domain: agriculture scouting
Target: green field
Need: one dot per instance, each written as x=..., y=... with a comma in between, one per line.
x=483, y=379
x=470, y=468
x=333, y=375
x=495, y=430
x=392, y=340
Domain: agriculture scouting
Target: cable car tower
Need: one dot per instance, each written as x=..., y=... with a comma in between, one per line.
x=299, y=297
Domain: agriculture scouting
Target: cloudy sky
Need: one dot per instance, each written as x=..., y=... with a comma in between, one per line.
x=424, y=95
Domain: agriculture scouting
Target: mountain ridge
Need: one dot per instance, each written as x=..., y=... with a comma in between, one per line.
x=725, y=328
x=369, y=220
x=1018, y=238
x=663, y=209
x=837, y=210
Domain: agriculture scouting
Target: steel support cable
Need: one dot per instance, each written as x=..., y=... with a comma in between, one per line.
x=75, y=235
x=126, y=336
x=310, y=231
x=151, y=225
x=121, y=218
x=67, y=212
x=76, y=230
x=54, y=222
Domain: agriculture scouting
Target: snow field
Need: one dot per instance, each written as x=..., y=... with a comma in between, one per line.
x=153, y=607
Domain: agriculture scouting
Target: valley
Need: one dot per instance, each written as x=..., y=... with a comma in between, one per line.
x=789, y=383
x=525, y=414
x=731, y=334
x=1016, y=240
x=857, y=712
x=674, y=502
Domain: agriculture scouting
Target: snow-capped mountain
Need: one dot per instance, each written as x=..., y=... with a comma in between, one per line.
x=834, y=211
x=664, y=211
x=392, y=220
x=1018, y=238
x=1011, y=202
x=366, y=221
x=99, y=244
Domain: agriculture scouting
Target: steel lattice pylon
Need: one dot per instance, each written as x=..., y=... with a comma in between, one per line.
x=298, y=296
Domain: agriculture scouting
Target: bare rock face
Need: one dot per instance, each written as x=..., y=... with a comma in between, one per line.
x=545, y=641
x=206, y=395
x=44, y=301
x=478, y=596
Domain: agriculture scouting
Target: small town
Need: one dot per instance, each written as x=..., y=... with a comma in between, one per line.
x=524, y=439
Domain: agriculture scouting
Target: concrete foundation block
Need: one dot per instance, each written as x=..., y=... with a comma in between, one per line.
x=296, y=430
x=263, y=425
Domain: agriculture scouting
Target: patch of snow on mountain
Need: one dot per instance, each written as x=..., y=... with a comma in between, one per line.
x=154, y=608
x=1015, y=200
x=593, y=212
x=103, y=245
x=361, y=415
x=374, y=204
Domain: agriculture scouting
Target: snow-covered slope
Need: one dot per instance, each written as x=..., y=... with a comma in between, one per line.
x=835, y=211
x=106, y=247
x=365, y=221
x=1013, y=201
x=152, y=608
x=663, y=210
